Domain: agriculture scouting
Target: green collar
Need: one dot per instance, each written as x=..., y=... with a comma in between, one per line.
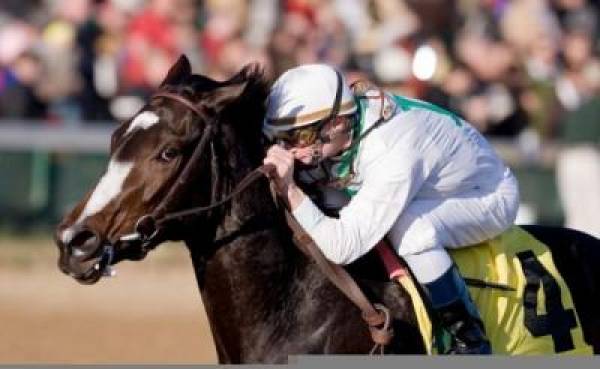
x=344, y=169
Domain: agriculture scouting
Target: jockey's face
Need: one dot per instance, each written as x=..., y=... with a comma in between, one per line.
x=339, y=138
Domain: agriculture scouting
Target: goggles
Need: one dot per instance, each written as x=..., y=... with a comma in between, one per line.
x=300, y=137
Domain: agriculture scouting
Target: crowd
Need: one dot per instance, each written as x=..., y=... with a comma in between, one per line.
x=503, y=64
x=513, y=68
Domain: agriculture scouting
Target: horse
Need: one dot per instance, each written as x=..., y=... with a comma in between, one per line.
x=265, y=300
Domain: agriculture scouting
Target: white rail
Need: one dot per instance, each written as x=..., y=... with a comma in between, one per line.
x=28, y=136
x=95, y=138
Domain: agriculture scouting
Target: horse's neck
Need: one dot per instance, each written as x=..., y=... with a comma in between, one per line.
x=254, y=273
x=265, y=300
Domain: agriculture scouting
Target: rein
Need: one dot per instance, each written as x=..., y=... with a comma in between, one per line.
x=252, y=177
x=377, y=316
x=148, y=226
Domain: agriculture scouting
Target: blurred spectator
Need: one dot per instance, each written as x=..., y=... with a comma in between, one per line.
x=150, y=46
x=19, y=97
x=21, y=9
x=579, y=79
x=578, y=167
x=262, y=16
x=581, y=13
x=224, y=21
x=485, y=88
x=99, y=39
x=309, y=32
x=578, y=87
x=508, y=66
x=61, y=81
x=523, y=70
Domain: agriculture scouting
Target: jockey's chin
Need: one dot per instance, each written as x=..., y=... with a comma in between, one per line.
x=311, y=155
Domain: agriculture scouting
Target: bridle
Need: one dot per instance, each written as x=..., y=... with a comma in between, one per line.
x=149, y=226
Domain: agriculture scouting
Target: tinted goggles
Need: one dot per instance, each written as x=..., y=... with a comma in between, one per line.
x=300, y=137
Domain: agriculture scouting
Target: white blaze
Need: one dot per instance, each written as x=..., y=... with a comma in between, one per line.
x=143, y=120
x=111, y=183
x=108, y=188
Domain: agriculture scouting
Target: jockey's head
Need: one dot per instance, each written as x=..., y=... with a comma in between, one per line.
x=310, y=110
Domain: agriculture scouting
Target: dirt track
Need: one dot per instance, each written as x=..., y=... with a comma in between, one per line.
x=150, y=312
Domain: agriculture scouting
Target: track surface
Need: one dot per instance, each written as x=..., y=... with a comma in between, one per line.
x=150, y=313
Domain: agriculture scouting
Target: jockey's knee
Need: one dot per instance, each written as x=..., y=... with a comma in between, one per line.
x=429, y=265
x=422, y=248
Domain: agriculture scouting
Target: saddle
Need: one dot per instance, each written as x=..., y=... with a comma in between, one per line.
x=510, y=278
x=525, y=304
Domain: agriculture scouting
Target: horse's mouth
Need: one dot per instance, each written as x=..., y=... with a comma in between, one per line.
x=91, y=270
x=88, y=262
x=91, y=276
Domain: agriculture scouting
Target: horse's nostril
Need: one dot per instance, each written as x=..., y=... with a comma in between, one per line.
x=83, y=243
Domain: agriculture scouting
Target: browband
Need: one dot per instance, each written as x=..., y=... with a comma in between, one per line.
x=181, y=100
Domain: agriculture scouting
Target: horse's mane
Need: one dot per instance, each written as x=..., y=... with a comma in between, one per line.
x=244, y=113
x=240, y=106
x=236, y=149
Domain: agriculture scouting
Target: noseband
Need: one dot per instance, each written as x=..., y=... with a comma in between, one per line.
x=149, y=226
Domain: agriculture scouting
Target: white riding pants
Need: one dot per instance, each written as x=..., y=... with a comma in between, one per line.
x=427, y=226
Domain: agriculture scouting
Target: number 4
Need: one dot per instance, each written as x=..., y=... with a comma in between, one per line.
x=557, y=322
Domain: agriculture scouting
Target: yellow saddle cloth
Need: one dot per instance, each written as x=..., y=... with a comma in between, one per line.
x=536, y=316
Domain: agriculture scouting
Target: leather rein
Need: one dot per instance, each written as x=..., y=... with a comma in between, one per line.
x=377, y=316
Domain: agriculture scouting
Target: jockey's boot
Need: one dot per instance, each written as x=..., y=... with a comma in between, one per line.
x=458, y=314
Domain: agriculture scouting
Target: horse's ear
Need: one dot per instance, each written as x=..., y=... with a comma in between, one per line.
x=235, y=86
x=178, y=72
x=226, y=94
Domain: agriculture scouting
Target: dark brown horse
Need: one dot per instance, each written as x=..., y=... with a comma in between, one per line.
x=264, y=299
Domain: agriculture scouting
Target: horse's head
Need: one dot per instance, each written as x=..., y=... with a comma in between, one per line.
x=170, y=138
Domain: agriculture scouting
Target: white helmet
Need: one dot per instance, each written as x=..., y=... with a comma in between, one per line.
x=305, y=95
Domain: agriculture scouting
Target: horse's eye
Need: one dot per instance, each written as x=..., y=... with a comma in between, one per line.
x=168, y=154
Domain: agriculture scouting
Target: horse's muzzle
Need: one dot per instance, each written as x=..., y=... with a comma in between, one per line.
x=84, y=255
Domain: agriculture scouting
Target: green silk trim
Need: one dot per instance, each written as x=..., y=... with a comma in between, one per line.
x=405, y=104
x=346, y=159
x=408, y=104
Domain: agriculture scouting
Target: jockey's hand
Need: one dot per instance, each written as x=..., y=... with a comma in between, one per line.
x=283, y=161
x=283, y=174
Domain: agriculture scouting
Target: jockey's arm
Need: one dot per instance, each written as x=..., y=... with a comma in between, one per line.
x=390, y=184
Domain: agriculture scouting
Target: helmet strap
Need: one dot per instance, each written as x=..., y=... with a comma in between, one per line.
x=335, y=109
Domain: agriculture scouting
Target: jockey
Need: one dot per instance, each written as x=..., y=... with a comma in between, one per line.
x=395, y=168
